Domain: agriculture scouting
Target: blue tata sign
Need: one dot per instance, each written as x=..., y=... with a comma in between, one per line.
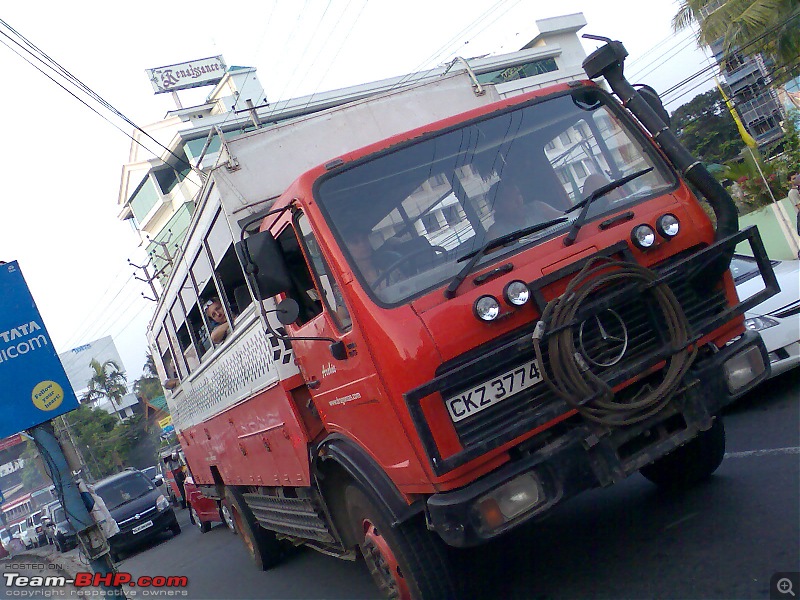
x=34, y=386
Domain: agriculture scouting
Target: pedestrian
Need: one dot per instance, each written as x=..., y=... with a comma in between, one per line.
x=215, y=312
x=794, y=196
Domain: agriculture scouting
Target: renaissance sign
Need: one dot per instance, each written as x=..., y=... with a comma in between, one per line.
x=206, y=71
x=35, y=386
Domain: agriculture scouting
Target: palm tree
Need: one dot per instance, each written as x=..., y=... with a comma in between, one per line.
x=768, y=26
x=108, y=381
x=148, y=386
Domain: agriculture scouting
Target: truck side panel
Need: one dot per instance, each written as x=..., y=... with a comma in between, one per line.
x=259, y=442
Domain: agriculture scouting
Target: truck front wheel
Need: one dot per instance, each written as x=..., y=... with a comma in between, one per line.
x=406, y=561
x=691, y=463
x=263, y=546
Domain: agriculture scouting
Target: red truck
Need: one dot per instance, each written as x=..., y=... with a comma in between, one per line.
x=448, y=312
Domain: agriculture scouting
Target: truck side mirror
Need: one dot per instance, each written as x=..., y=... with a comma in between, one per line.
x=651, y=97
x=287, y=311
x=262, y=260
x=338, y=350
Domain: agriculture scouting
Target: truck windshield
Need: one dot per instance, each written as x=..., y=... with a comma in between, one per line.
x=407, y=216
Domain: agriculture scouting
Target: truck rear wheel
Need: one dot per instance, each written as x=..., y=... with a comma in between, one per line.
x=691, y=463
x=263, y=546
x=406, y=561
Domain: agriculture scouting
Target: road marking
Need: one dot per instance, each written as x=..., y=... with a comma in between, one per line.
x=682, y=520
x=769, y=452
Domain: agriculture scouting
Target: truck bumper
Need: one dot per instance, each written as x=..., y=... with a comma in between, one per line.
x=586, y=456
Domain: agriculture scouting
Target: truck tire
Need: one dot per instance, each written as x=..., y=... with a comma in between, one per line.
x=264, y=548
x=406, y=561
x=691, y=463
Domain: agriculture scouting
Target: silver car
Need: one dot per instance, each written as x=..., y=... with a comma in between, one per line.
x=777, y=319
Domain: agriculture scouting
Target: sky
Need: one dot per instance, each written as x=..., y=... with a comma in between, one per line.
x=61, y=161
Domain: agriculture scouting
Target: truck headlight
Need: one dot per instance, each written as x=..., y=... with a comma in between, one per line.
x=668, y=226
x=487, y=308
x=162, y=503
x=643, y=236
x=517, y=293
x=509, y=501
x=759, y=323
x=743, y=368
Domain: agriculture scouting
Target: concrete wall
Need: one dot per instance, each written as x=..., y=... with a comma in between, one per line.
x=777, y=225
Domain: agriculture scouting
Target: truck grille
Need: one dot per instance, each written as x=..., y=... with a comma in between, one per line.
x=539, y=404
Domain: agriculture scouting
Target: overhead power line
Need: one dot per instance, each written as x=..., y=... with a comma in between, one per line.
x=61, y=72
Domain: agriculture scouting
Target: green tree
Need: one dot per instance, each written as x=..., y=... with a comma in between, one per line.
x=707, y=129
x=103, y=441
x=148, y=385
x=771, y=27
x=33, y=476
x=108, y=381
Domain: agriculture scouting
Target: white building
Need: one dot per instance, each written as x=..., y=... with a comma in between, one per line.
x=124, y=410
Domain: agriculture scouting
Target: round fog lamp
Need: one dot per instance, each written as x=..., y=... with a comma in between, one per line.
x=643, y=236
x=487, y=308
x=517, y=293
x=668, y=226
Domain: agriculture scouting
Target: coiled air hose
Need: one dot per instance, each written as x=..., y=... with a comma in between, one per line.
x=573, y=380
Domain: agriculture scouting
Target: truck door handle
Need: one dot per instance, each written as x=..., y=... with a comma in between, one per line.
x=313, y=384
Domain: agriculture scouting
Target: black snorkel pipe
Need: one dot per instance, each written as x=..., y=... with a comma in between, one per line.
x=608, y=62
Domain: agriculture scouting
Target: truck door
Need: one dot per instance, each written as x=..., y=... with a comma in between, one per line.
x=337, y=386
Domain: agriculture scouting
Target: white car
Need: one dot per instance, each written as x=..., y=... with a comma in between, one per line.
x=777, y=319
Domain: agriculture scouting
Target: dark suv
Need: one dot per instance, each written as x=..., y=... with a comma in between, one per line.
x=141, y=511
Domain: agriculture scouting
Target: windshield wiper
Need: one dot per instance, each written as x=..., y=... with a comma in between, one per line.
x=587, y=202
x=475, y=256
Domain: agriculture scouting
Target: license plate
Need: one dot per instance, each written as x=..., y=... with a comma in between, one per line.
x=142, y=527
x=493, y=391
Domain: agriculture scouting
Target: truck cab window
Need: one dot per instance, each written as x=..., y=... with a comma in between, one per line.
x=303, y=289
x=332, y=294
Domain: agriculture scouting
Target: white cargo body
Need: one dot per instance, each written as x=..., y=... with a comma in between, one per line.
x=252, y=170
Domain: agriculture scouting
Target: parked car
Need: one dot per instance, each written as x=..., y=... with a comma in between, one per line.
x=140, y=509
x=203, y=511
x=5, y=538
x=777, y=319
x=154, y=475
x=33, y=533
x=60, y=531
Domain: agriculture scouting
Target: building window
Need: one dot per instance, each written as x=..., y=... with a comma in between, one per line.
x=144, y=199
x=431, y=222
x=452, y=215
x=530, y=69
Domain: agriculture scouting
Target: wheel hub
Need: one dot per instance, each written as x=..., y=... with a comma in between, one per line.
x=383, y=564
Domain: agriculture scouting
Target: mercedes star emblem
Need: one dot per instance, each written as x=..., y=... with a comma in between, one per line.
x=603, y=338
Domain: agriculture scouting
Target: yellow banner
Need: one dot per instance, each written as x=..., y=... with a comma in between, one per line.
x=746, y=137
x=165, y=422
